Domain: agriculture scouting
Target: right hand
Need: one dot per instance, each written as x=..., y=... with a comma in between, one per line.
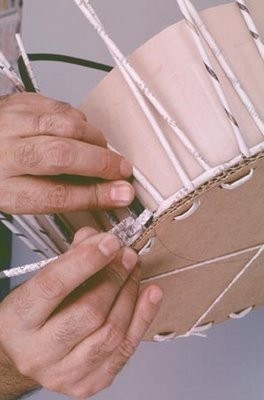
x=74, y=325
x=42, y=139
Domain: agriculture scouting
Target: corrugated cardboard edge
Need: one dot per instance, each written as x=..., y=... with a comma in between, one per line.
x=227, y=306
x=227, y=176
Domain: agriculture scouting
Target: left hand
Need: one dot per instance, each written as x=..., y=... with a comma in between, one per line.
x=45, y=147
x=76, y=342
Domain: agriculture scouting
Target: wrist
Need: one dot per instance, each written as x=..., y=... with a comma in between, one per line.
x=13, y=384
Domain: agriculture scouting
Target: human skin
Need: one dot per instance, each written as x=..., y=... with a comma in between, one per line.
x=73, y=326
x=44, y=145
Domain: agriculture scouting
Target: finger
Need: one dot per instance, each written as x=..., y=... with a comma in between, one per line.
x=30, y=195
x=36, y=103
x=146, y=310
x=64, y=125
x=68, y=126
x=97, y=347
x=83, y=234
x=49, y=156
x=46, y=290
x=32, y=114
x=89, y=309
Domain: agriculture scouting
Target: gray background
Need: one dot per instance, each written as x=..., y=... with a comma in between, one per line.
x=229, y=364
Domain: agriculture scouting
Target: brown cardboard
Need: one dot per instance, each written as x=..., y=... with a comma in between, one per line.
x=227, y=221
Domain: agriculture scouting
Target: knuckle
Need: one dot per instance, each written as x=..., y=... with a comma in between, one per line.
x=145, y=320
x=61, y=155
x=81, y=393
x=132, y=288
x=127, y=348
x=26, y=368
x=71, y=125
x=43, y=123
x=20, y=302
x=107, y=383
x=28, y=155
x=94, y=317
x=98, y=196
x=50, y=286
x=58, y=198
x=55, y=379
x=114, y=335
x=22, y=201
x=94, y=356
x=23, y=368
x=95, y=196
x=114, y=367
x=61, y=107
x=78, y=116
x=113, y=274
x=106, y=163
x=66, y=331
x=53, y=386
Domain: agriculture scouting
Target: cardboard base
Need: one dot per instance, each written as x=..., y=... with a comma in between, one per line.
x=227, y=221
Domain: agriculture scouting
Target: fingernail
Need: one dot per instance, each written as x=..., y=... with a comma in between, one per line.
x=129, y=259
x=126, y=169
x=109, y=245
x=155, y=295
x=121, y=193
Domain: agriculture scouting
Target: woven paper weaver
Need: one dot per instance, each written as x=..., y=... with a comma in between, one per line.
x=187, y=110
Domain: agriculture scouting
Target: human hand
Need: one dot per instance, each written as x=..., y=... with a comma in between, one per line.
x=74, y=325
x=42, y=139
